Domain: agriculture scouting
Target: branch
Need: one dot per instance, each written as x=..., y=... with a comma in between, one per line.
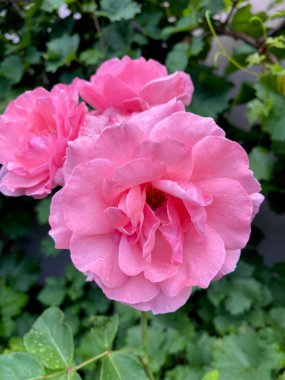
x=234, y=4
x=237, y=36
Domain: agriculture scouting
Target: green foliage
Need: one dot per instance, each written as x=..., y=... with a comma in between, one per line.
x=235, y=329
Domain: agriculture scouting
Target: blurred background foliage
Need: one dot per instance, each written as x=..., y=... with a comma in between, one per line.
x=235, y=329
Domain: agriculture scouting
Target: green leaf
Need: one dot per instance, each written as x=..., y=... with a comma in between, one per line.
x=42, y=210
x=212, y=375
x=100, y=337
x=61, y=51
x=243, y=21
x=12, y=68
x=50, y=340
x=121, y=366
x=53, y=293
x=20, y=366
x=183, y=373
x=261, y=162
x=211, y=92
x=186, y=23
x=119, y=10
x=11, y=302
x=91, y=56
x=177, y=58
x=47, y=247
x=269, y=107
x=51, y=5
x=245, y=356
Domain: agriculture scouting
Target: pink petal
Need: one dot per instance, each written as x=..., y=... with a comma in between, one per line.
x=161, y=90
x=79, y=151
x=147, y=120
x=230, y=263
x=230, y=212
x=164, y=304
x=59, y=232
x=161, y=265
x=98, y=254
x=135, y=290
x=218, y=157
x=186, y=128
x=84, y=203
x=256, y=199
x=130, y=257
x=203, y=259
x=138, y=171
x=174, y=154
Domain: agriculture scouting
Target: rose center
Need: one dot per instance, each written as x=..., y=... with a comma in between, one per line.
x=155, y=198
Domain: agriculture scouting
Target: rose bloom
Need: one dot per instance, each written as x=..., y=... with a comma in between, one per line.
x=134, y=85
x=34, y=131
x=155, y=206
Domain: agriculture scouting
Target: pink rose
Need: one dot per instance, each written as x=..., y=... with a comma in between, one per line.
x=134, y=85
x=155, y=206
x=34, y=132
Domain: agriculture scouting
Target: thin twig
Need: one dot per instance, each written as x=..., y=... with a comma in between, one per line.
x=99, y=32
x=229, y=16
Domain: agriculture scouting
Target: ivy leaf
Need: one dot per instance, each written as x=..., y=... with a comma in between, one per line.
x=50, y=340
x=12, y=68
x=20, y=366
x=119, y=10
x=261, y=162
x=121, y=366
x=61, y=51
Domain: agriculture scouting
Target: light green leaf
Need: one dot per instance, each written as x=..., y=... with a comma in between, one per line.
x=119, y=10
x=20, y=366
x=50, y=339
x=121, y=366
x=61, y=51
x=212, y=375
x=269, y=107
x=261, y=162
x=12, y=68
x=51, y=5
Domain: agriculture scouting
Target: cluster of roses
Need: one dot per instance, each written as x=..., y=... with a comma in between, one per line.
x=154, y=199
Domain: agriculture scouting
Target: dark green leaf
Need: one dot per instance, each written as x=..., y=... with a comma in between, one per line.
x=12, y=68
x=119, y=10
x=61, y=51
